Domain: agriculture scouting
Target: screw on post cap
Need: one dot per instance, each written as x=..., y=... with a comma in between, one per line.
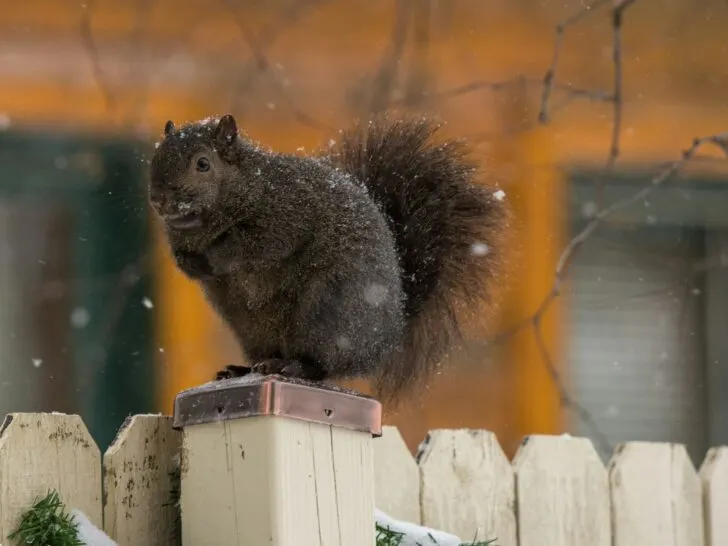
x=255, y=395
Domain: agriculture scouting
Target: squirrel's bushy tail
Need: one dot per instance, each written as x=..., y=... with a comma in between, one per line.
x=448, y=229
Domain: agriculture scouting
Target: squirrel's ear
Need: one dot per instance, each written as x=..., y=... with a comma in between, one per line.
x=227, y=129
x=168, y=128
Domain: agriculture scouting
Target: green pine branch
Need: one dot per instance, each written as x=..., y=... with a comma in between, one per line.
x=47, y=524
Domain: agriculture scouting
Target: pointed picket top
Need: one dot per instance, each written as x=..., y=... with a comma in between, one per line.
x=656, y=495
x=714, y=478
x=562, y=493
x=396, y=477
x=40, y=452
x=140, y=480
x=467, y=486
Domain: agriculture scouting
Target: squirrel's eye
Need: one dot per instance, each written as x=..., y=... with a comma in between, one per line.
x=203, y=164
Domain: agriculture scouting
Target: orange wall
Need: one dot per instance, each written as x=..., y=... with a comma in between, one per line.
x=187, y=59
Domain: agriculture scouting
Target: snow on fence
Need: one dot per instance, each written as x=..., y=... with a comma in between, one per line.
x=556, y=491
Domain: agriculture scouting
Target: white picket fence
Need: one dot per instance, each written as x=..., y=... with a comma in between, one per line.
x=555, y=493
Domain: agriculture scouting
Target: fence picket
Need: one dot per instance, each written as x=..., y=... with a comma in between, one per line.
x=562, y=493
x=44, y=451
x=396, y=477
x=656, y=496
x=139, y=476
x=556, y=492
x=714, y=475
x=467, y=486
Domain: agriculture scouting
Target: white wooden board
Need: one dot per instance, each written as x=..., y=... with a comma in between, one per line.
x=562, y=493
x=276, y=481
x=656, y=496
x=396, y=477
x=44, y=451
x=139, y=471
x=467, y=486
x=714, y=477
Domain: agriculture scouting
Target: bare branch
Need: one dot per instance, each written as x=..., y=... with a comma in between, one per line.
x=259, y=62
x=549, y=77
x=387, y=75
x=89, y=44
x=481, y=85
x=568, y=253
x=564, y=396
x=617, y=97
x=566, y=259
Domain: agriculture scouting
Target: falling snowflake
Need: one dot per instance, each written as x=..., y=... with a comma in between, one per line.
x=80, y=317
x=588, y=209
x=146, y=302
x=479, y=249
x=499, y=195
x=37, y=362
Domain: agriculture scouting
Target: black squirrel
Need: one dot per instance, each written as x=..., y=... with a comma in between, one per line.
x=355, y=262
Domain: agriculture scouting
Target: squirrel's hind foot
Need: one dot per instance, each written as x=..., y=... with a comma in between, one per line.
x=232, y=371
x=274, y=366
x=290, y=368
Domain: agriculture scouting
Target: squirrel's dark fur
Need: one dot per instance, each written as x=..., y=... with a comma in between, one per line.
x=355, y=262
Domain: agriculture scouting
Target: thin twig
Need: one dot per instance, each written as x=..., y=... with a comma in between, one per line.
x=263, y=65
x=418, y=78
x=564, y=396
x=596, y=95
x=386, y=77
x=138, y=71
x=259, y=62
x=89, y=44
x=549, y=77
x=568, y=253
x=617, y=98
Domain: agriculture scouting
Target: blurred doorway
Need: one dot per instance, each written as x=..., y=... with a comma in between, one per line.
x=75, y=315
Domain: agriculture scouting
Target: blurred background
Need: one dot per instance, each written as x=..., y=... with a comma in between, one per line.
x=571, y=108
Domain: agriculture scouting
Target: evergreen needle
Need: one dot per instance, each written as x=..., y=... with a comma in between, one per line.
x=47, y=524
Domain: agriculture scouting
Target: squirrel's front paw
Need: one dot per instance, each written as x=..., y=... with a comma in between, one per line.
x=194, y=265
x=220, y=255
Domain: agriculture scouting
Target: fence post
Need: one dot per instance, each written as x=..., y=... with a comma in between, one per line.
x=269, y=460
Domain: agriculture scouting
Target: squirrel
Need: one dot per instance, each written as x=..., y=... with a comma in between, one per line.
x=356, y=261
